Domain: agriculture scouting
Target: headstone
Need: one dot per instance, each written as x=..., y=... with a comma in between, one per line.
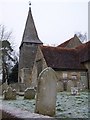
x=4, y=86
x=46, y=92
x=22, y=87
x=14, y=86
x=69, y=85
x=29, y=93
x=59, y=86
x=10, y=94
x=74, y=91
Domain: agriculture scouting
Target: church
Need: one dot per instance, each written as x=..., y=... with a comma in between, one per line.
x=70, y=60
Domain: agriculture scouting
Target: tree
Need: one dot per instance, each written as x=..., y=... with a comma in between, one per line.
x=13, y=76
x=7, y=60
x=82, y=37
x=7, y=54
x=4, y=35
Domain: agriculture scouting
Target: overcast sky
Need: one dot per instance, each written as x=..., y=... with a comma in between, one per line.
x=56, y=20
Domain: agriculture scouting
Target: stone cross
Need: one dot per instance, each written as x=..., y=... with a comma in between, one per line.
x=46, y=92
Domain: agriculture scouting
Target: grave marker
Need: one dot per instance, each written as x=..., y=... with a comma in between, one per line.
x=29, y=93
x=10, y=94
x=74, y=91
x=46, y=92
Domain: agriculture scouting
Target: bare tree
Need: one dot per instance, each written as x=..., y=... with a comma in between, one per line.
x=4, y=35
x=82, y=36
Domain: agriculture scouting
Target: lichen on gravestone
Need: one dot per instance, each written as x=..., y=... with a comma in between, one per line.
x=46, y=92
x=29, y=93
x=9, y=94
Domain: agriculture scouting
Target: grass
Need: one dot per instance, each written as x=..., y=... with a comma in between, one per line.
x=67, y=106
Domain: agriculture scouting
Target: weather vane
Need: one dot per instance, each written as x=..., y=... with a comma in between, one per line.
x=29, y=3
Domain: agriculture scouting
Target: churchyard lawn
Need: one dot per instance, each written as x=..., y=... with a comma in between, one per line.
x=67, y=105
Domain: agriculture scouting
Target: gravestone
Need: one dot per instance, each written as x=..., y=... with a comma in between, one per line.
x=4, y=86
x=46, y=92
x=22, y=87
x=69, y=85
x=14, y=86
x=60, y=86
x=10, y=94
x=74, y=91
x=29, y=93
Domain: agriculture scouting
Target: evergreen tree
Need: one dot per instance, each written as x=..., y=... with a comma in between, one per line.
x=13, y=76
x=7, y=60
x=7, y=55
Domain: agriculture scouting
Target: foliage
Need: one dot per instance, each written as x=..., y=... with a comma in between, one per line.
x=13, y=76
x=7, y=54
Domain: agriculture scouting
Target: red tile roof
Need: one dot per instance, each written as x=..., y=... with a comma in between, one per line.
x=65, y=43
x=70, y=42
x=62, y=58
x=84, y=52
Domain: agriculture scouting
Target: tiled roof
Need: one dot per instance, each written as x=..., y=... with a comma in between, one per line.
x=84, y=52
x=65, y=43
x=62, y=58
x=71, y=43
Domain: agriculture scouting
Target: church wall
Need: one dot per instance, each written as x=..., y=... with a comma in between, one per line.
x=42, y=66
x=40, y=56
x=87, y=64
x=68, y=79
x=26, y=62
x=34, y=76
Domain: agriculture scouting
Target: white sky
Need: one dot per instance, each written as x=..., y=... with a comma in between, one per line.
x=56, y=20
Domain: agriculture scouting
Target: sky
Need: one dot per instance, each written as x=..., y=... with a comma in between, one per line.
x=56, y=20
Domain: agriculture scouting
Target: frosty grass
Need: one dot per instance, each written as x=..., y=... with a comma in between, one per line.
x=67, y=106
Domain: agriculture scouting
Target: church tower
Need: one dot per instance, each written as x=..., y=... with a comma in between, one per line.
x=28, y=50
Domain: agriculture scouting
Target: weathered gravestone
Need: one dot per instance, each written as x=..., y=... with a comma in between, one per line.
x=60, y=86
x=29, y=93
x=14, y=86
x=10, y=94
x=69, y=85
x=46, y=92
x=74, y=91
x=22, y=87
x=4, y=86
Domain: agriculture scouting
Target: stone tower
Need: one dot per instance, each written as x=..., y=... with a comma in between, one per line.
x=28, y=50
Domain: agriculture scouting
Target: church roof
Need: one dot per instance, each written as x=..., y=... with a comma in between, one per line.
x=62, y=58
x=71, y=43
x=30, y=33
x=65, y=43
x=84, y=52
